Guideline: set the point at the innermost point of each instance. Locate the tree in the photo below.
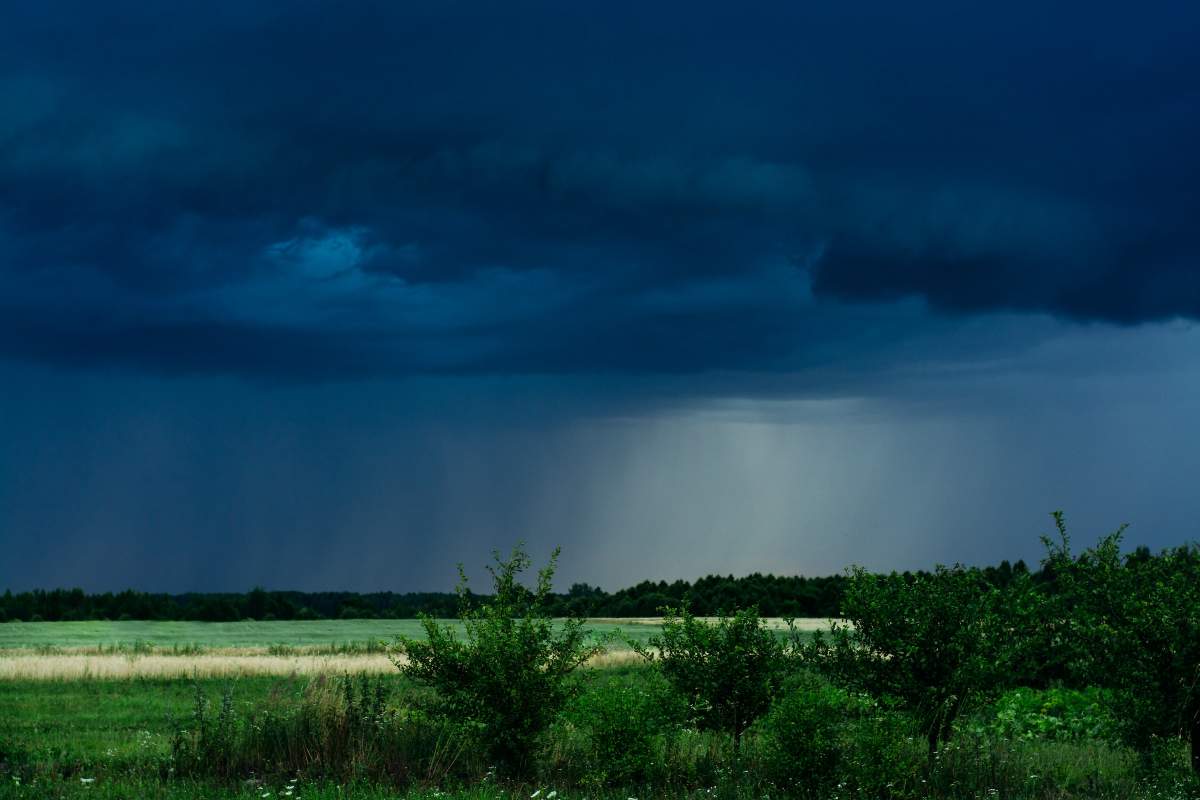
(1159, 678)
(728, 671)
(508, 675)
(933, 641)
(1080, 605)
(1130, 624)
(256, 603)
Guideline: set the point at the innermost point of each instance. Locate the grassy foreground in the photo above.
(113, 739)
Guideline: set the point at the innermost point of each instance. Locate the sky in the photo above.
(315, 297)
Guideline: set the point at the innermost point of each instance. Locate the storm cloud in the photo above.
(305, 191)
(685, 287)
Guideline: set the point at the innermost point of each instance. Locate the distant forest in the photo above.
(775, 596)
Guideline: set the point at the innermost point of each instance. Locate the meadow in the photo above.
(114, 739)
(1076, 684)
(151, 649)
(332, 636)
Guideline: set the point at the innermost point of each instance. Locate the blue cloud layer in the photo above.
(301, 190)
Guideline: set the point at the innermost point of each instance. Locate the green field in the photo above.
(211, 635)
(118, 739)
(110, 722)
(111, 739)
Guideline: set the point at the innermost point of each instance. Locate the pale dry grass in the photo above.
(168, 651)
(230, 663)
(801, 624)
(82, 667)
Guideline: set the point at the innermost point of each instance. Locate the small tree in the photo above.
(728, 671)
(933, 641)
(1079, 609)
(1160, 678)
(1131, 624)
(508, 675)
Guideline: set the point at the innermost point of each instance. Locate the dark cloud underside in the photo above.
(306, 190)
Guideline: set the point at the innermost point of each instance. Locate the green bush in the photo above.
(727, 671)
(509, 677)
(1061, 714)
(882, 755)
(800, 746)
(623, 723)
(936, 642)
(1130, 623)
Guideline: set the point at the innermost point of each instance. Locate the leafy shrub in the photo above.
(801, 748)
(624, 722)
(1131, 624)
(1062, 714)
(881, 756)
(934, 641)
(509, 676)
(727, 671)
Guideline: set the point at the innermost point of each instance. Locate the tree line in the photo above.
(772, 595)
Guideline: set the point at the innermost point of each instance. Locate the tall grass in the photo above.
(626, 733)
(343, 729)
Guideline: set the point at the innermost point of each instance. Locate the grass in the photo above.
(111, 739)
(124, 788)
(213, 664)
(106, 738)
(147, 649)
(98, 720)
(322, 635)
(147, 635)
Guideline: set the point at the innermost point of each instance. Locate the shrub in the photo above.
(935, 641)
(727, 671)
(623, 722)
(1061, 714)
(1131, 624)
(801, 750)
(509, 676)
(882, 756)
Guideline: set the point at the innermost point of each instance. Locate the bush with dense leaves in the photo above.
(728, 671)
(508, 675)
(624, 721)
(1061, 713)
(935, 642)
(1131, 624)
(801, 746)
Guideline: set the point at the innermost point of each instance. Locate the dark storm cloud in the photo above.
(304, 190)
